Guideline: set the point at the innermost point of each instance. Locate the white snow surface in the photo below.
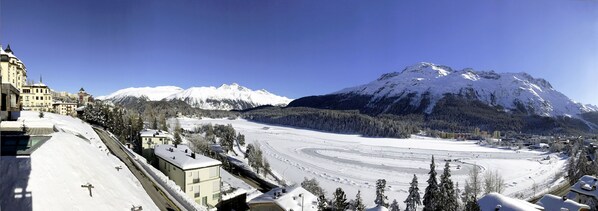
(504, 89)
(51, 178)
(212, 98)
(152, 93)
(353, 162)
(492, 200)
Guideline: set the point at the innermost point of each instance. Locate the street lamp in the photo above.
(533, 186)
(301, 195)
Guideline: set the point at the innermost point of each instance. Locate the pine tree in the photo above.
(472, 204)
(241, 139)
(322, 203)
(154, 122)
(340, 200)
(394, 206)
(163, 125)
(447, 192)
(359, 206)
(177, 133)
(413, 199)
(431, 195)
(381, 199)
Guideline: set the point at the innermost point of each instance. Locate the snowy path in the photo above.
(354, 163)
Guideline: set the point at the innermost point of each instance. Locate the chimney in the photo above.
(175, 145)
(185, 150)
(173, 157)
(564, 198)
(284, 190)
(193, 155)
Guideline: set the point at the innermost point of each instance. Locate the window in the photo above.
(216, 186)
(216, 196)
(195, 177)
(196, 192)
(214, 172)
(204, 200)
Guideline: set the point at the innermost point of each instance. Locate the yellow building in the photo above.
(151, 138)
(36, 97)
(197, 175)
(64, 108)
(13, 75)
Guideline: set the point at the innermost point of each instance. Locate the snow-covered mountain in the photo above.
(424, 84)
(225, 97)
(149, 93)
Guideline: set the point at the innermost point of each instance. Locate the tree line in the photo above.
(124, 124)
(441, 194)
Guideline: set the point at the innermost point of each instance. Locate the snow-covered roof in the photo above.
(155, 133)
(183, 159)
(555, 203)
(586, 185)
(288, 198)
(493, 200)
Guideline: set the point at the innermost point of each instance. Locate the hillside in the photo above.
(51, 177)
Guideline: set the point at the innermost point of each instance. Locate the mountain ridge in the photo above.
(512, 91)
(225, 97)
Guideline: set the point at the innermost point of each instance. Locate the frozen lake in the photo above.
(353, 162)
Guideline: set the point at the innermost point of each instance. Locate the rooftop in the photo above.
(552, 202)
(586, 185)
(493, 200)
(181, 156)
(288, 198)
(155, 133)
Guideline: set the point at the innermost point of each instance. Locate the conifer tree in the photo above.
(340, 200)
(394, 206)
(413, 199)
(431, 195)
(359, 206)
(381, 198)
(472, 204)
(447, 197)
(322, 203)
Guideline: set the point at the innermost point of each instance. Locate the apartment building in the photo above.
(37, 97)
(197, 175)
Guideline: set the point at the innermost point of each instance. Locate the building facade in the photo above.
(37, 97)
(84, 98)
(151, 138)
(64, 108)
(197, 175)
(13, 75)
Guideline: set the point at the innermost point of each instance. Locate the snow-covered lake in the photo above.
(353, 162)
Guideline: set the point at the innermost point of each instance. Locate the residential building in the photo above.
(84, 98)
(13, 75)
(283, 199)
(584, 191)
(197, 175)
(151, 138)
(37, 97)
(64, 108)
(554, 203)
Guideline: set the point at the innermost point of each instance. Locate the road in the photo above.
(159, 198)
(561, 190)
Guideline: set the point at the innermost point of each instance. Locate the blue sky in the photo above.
(297, 48)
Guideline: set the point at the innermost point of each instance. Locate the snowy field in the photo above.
(354, 163)
(51, 178)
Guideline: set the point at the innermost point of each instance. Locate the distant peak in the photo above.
(427, 67)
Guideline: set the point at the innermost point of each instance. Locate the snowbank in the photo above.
(51, 178)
